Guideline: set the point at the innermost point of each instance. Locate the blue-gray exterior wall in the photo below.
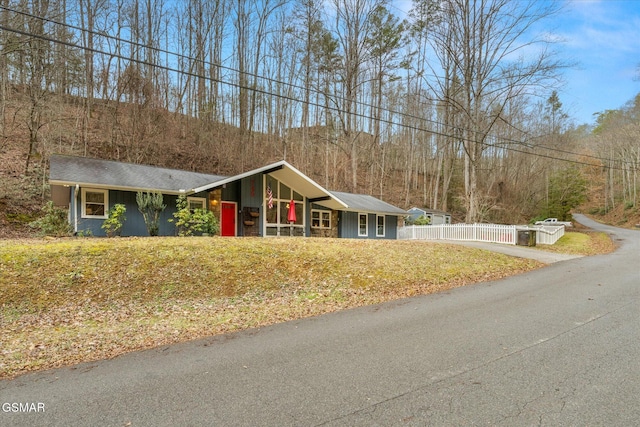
(391, 227)
(348, 226)
(246, 193)
(307, 217)
(251, 197)
(231, 192)
(134, 224)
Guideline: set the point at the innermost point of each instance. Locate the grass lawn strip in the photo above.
(72, 300)
(581, 243)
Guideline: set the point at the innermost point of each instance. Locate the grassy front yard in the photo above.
(581, 243)
(71, 300)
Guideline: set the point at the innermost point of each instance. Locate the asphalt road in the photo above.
(559, 346)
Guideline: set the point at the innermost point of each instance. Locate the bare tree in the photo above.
(383, 42)
(617, 139)
(486, 41)
(353, 25)
(37, 57)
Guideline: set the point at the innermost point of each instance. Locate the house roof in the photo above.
(83, 171)
(293, 178)
(365, 203)
(428, 211)
(72, 170)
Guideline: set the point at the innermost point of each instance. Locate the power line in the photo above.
(294, 86)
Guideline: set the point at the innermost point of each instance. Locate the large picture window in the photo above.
(279, 197)
(95, 203)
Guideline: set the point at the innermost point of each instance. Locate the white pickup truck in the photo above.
(554, 221)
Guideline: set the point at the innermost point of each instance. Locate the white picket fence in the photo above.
(548, 235)
(492, 233)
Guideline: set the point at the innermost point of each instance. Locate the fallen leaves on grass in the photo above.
(69, 301)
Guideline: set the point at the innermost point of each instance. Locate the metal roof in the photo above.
(72, 170)
(365, 203)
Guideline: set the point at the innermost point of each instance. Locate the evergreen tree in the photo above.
(567, 190)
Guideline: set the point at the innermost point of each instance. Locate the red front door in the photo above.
(228, 219)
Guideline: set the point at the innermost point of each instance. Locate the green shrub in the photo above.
(190, 222)
(422, 220)
(567, 190)
(54, 222)
(113, 224)
(150, 206)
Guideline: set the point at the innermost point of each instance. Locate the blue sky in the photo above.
(602, 37)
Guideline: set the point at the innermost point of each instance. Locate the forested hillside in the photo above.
(453, 106)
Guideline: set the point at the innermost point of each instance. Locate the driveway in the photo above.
(517, 251)
(538, 254)
(555, 346)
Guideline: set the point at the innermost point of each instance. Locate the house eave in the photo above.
(119, 187)
(395, 213)
(285, 172)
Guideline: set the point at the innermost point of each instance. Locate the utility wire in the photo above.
(507, 147)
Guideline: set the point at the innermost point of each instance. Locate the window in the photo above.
(320, 219)
(196, 203)
(380, 225)
(95, 203)
(362, 225)
(279, 196)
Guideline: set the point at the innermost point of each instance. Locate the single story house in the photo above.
(260, 202)
(435, 216)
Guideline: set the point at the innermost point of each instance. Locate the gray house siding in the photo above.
(348, 226)
(307, 219)
(231, 192)
(134, 224)
(251, 197)
(391, 227)
(244, 193)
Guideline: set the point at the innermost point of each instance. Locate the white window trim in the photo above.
(366, 225)
(384, 226)
(321, 212)
(83, 203)
(201, 200)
